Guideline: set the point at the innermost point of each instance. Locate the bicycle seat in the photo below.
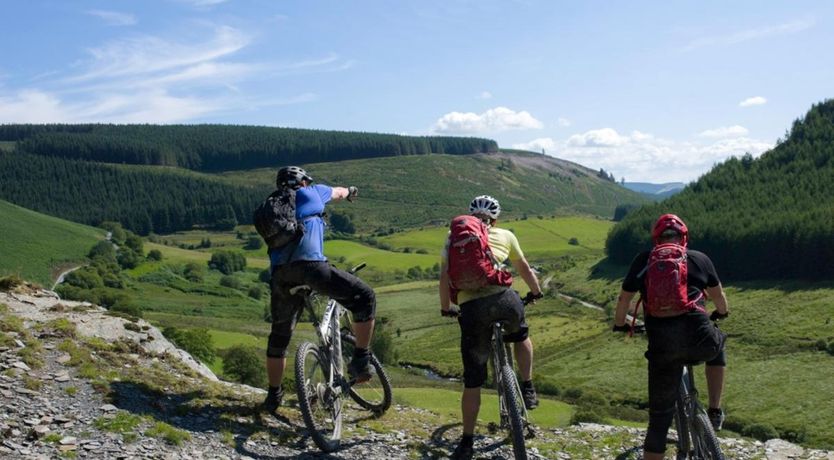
(302, 289)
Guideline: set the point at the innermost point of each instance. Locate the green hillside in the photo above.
(34, 246)
(224, 147)
(765, 218)
(404, 192)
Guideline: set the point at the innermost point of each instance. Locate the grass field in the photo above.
(176, 254)
(539, 238)
(35, 245)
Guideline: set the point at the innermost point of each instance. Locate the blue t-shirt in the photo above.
(309, 206)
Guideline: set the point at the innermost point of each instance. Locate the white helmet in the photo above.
(485, 205)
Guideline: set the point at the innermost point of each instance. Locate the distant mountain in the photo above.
(765, 218)
(655, 191)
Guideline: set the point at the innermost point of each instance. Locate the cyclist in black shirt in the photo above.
(675, 340)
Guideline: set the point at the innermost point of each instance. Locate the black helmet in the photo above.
(291, 176)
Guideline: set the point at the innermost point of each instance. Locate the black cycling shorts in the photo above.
(347, 289)
(476, 320)
(674, 342)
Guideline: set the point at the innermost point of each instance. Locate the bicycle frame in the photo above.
(328, 332)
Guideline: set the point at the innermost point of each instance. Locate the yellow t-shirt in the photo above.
(504, 246)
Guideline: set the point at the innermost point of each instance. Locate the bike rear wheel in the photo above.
(513, 401)
(704, 440)
(375, 394)
(319, 402)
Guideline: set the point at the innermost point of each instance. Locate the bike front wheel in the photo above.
(375, 394)
(319, 401)
(704, 440)
(513, 401)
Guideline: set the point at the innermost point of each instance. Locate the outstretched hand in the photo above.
(352, 192)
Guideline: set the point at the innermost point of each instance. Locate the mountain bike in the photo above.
(696, 437)
(513, 412)
(511, 408)
(321, 382)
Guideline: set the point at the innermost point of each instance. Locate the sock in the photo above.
(468, 440)
(527, 384)
(275, 390)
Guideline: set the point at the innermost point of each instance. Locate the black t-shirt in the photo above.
(701, 274)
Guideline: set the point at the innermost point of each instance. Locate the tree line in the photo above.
(213, 148)
(143, 200)
(765, 218)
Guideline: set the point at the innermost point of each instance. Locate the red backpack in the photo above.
(666, 281)
(471, 264)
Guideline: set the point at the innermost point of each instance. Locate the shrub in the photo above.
(244, 364)
(128, 258)
(230, 282)
(102, 249)
(585, 415)
(227, 262)
(572, 394)
(760, 431)
(84, 278)
(155, 254)
(382, 345)
(194, 272)
(254, 243)
(135, 243)
(256, 292)
(117, 233)
(197, 342)
(573, 241)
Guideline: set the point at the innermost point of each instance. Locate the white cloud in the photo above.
(31, 106)
(485, 95)
(750, 34)
(537, 145)
(563, 122)
(114, 18)
(643, 157)
(751, 101)
(147, 55)
(605, 137)
(154, 80)
(491, 121)
(725, 131)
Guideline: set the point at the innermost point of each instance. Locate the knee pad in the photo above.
(277, 345)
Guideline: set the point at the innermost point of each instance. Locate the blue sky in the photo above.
(651, 91)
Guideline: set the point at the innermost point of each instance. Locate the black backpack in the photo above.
(275, 219)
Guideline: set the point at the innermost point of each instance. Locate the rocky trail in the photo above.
(76, 382)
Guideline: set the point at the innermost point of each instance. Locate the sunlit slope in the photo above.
(403, 192)
(539, 238)
(34, 245)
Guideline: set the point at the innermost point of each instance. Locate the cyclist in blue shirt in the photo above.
(304, 262)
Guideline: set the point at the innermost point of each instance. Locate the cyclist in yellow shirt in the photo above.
(479, 310)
